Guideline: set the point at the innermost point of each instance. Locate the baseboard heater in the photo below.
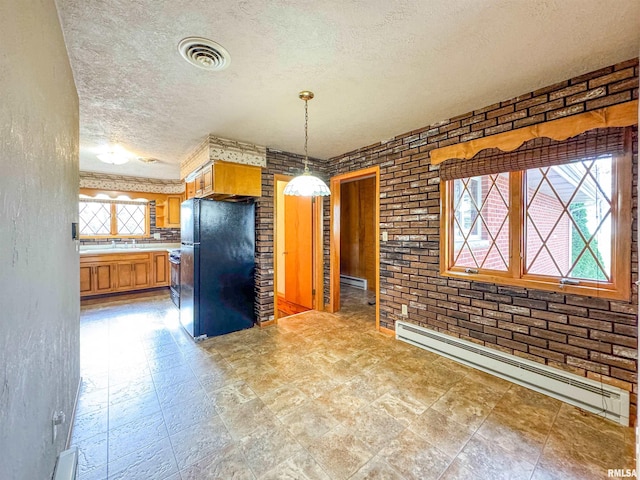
(67, 465)
(356, 282)
(604, 400)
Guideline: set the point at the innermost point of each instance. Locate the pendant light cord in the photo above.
(306, 135)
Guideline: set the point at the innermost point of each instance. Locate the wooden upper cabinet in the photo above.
(173, 210)
(190, 190)
(237, 179)
(207, 181)
(198, 184)
(225, 179)
(168, 212)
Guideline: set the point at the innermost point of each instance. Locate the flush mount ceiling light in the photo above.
(306, 185)
(204, 53)
(115, 156)
(148, 160)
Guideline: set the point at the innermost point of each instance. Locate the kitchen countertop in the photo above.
(128, 248)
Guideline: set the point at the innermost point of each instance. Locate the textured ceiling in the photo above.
(378, 68)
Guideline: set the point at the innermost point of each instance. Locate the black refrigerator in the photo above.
(217, 264)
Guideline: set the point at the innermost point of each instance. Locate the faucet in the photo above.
(133, 243)
(113, 244)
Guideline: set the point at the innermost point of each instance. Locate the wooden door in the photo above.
(298, 250)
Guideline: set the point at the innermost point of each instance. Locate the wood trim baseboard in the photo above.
(267, 323)
(387, 331)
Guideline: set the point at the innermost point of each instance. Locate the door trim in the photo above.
(334, 239)
(318, 267)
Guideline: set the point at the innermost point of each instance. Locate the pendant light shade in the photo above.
(306, 185)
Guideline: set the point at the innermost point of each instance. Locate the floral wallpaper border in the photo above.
(223, 149)
(102, 181)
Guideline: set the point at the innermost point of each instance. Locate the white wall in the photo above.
(39, 284)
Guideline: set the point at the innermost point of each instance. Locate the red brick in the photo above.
(614, 338)
(612, 360)
(565, 112)
(545, 107)
(569, 349)
(572, 90)
(611, 78)
(549, 335)
(588, 95)
(609, 100)
(540, 352)
(500, 111)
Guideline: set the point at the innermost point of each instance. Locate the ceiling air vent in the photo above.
(204, 53)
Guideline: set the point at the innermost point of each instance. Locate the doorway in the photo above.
(297, 252)
(354, 236)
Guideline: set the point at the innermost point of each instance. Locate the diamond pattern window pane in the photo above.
(481, 222)
(95, 218)
(131, 219)
(568, 220)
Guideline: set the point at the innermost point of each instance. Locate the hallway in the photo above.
(319, 396)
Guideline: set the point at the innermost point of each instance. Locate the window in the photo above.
(563, 225)
(113, 218)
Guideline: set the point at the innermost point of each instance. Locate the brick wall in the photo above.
(591, 337)
(277, 163)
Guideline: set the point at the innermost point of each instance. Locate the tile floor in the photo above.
(320, 396)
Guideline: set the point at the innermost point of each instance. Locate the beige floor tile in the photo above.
(230, 395)
(374, 427)
(268, 446)
(309, 422)
(441, 431)
(377, 469)
(243, 419)
(228, 463)
(463, 410)
(300, 466)
(485, 460)
(199, 441)
(401, 405)
(414, 457)
(284, 400)
(340, 453)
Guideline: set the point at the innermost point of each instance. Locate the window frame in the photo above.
(113, 228)
(621, 211)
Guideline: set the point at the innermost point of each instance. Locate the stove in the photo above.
(174, 260)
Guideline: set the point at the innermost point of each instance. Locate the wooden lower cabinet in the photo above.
(122, 272)
(161, 269)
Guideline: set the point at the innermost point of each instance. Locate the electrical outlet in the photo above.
(385, 236)
(405, 311)
(156, 236)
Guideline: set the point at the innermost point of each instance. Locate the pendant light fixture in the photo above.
(306, 185)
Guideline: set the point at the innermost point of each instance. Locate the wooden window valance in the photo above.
(539, 153)
(621, 115)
